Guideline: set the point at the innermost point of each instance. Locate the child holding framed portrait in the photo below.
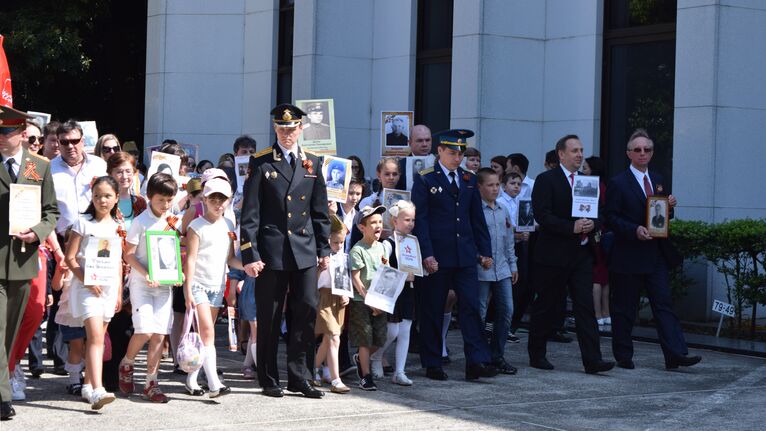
(151, 297)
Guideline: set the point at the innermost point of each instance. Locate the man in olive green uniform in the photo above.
(18, 254)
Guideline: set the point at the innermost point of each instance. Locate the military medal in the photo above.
(308, 165)
(466, 177)
(433, 190)
(440, 189)
(659, 188)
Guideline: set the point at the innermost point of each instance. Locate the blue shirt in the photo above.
(501, 237)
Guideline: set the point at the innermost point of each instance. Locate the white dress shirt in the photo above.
(447, 171)
(16, 162)
(527, 184)
(640, 178)
(72, 185)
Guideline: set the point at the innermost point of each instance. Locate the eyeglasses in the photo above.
(68, 142)
(8, 130)
(642, 150)
(115, 149)
(34, 139)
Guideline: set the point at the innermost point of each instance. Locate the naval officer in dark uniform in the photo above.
(284, 237)
(453, 237)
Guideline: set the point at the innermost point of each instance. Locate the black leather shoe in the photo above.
(474, 371)
(306, 389)
(683, 361)
(540, 364)
(560, 337)
(628, 365)
(436, 373)
(274, 391)
(6, 411)
(37, 372)
(598, 367)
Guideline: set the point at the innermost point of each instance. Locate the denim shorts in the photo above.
(69, 333)
(215, 299)
(246, 301)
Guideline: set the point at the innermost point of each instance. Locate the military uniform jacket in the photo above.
(284, 219)
(451, 229)
(16, 265)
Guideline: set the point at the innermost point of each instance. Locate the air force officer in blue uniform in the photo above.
(453, 236)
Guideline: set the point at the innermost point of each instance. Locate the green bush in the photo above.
(737, 248)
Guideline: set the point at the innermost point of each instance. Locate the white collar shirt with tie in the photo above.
(291, 153)
(568, 175)
(640, 178)
(16, 162)
(447, 173)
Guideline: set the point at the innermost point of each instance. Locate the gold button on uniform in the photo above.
(458, 235)
(303, 213)
(457, 204)
(458, 219)
(289, 232)
(289, 198)
(290, 215)
(303, 198)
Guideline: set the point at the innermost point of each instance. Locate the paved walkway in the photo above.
(725, 391)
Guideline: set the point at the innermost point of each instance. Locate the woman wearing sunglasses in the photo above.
(106, 146)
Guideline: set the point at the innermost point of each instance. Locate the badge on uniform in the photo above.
(433, 190)
(440, 189)
(30, 173)
(271, 175)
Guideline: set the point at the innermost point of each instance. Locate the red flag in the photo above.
(6, 98)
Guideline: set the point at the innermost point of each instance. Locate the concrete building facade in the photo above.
(521, 74)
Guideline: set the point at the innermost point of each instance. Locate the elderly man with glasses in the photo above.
(73, 171)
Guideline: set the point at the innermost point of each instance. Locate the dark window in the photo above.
(433, 77)
(285, 51)
(639, 81)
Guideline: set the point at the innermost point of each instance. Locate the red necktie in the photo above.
(571, 179)
(647, 187)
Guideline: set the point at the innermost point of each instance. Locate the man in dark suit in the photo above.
(18, 253)
(284, 236)
(563, 257)
(637, 261)
(453, 236)
(420, 145)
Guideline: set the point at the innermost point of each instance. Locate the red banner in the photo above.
(6, 98)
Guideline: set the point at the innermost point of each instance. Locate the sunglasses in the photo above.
(68, 142)
(8, 130)
(33, 140)
(642, 150)
(115, 149)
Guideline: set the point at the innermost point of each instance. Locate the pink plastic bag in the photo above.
(190, 354)
(107, 347)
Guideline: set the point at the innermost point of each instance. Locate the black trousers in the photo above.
(302, 300)
(523, 291)
(625, 292)
(552, 283)
(120, 329)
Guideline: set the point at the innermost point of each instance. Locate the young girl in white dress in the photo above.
(95, 305)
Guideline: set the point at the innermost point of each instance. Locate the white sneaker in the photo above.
(401, 379)
(608, 321)
(86, 392)
(376, 368)
(100, 398)
(600, 322)
(17, 390)
(21, 379)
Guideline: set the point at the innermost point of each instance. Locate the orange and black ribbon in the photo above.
(232, 236)
(172, 220)
(30, 172)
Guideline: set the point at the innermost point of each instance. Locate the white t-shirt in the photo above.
(146, 221)
(73, 191)
(213, 252)
(82, 300)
